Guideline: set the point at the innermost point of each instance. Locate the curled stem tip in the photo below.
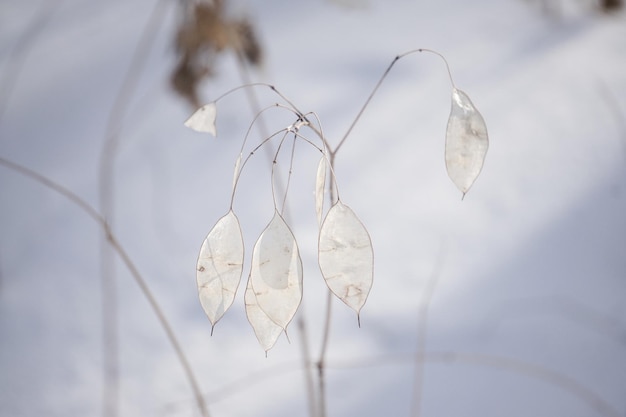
(378, 84)
(440, 56)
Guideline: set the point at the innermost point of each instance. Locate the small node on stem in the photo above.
(444, 60)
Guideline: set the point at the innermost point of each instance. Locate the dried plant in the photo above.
(557, 7)
(205, 32)
(610, 5)
(345, 251)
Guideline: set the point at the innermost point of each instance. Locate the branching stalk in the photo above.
(306, 355)
(377, 86)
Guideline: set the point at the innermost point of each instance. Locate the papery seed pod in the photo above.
(346, 256)
(265, 330)
(276, 272)
(219, 267)
(466, 142)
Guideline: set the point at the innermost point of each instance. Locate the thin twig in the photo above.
(163, 320)
(82, 204)
(117, 247)
(239, 385)
(367, 102)
(502, 363)
(515, 366)
(321, 362)
(422, 333)
(308, 371)
(577, 312)
(378, 84)
(110, 397)
(614, 106)
(19, 52)
(263, 130)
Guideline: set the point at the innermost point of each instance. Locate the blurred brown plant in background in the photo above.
(204, 32)
(556, 8)
(610, 5)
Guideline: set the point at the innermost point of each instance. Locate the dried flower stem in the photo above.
(117, 248)
(422, 333)
(106, 190)
(306, 356)
(377, 86)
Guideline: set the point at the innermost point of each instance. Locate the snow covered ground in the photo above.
(528, 313)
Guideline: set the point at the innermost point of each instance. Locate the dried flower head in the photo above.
(203, 34)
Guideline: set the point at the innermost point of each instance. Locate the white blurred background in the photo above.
(527, 316)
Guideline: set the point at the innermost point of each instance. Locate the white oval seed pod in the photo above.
(276, 272)
(219, 267)
(466, 142)
(346, 256)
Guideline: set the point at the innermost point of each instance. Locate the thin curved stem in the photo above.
(267, 139)
(515, 366)
(367, 102)
(106, 190)
(518, 367)
(308, 374)
(59, 189)
(291, 159)
(258, 118)
(117, 247)
(422, 333)
(21, 49)
(321, 362)
(274, 162)
(377, 86)
(162, 319)
(253, 100)
(245, 161)
(445, 61)
(306, 356)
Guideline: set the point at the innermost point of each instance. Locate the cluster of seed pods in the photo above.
(273, 289)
